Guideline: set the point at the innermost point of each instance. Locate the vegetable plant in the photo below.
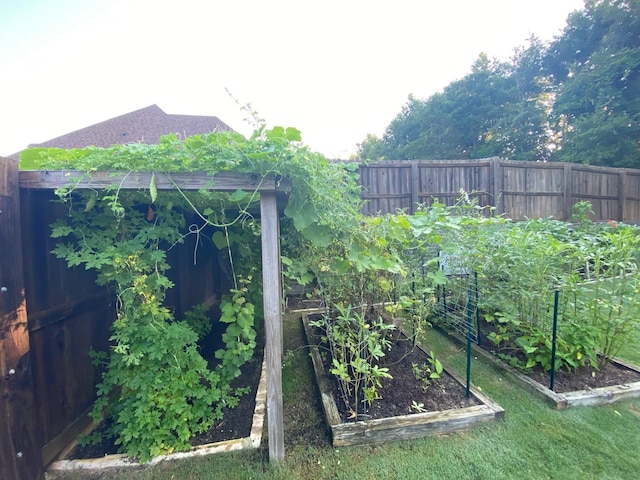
(520, 265)
(428, 371)
(356, 345)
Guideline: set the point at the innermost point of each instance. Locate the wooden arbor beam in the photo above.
(20, 442)
(220, 182)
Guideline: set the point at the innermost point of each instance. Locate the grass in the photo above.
(533, 442)
(631, 350)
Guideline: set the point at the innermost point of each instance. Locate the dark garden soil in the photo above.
(582, 378)
(586, 378)
(236, 422)
(403, 390)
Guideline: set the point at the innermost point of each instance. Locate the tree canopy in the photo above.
(575, 98)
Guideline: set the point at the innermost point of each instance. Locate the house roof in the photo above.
(146, 125)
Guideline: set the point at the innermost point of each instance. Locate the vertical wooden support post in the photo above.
(496, 184)
(20, 448)
(415, 186)
(273, 322)
(622, 195)
(568, 193)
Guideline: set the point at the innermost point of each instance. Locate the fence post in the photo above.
(496, 184)
(272, 297)
(469, 326)
(415, 186)
(568, 193)
(554, 339)
(20, 448)
(622, 195)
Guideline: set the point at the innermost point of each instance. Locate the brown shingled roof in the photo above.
(146, 125)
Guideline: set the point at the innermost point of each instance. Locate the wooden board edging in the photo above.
(401, 427)
(328, 404)
(123, 461)
(63, 443)
(412, 426)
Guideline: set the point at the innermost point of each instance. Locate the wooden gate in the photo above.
(20, 452)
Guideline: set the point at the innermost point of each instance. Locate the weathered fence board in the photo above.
(69, 315)
(518, 190)
(20, 443)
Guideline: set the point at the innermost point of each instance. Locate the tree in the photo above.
(574, 99)
(595, 66)
(494, 110)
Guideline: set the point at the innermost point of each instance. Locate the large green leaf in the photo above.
(302, 216)
(318, 234)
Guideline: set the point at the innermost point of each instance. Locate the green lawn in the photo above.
(533, 442)
(631, 350)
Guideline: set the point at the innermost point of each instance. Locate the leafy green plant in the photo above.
(156, 387)
(521, 264)
(240, 335)
(428, 371)
(581, 214)
(605, 299)
(418, 407)
(198, 319)
(356, 345)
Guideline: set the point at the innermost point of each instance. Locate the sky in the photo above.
(335, 69)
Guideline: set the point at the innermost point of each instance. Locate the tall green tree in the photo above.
(493, 111)
(574, 99)
(595, 66)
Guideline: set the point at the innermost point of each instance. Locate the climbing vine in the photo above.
(157, 391)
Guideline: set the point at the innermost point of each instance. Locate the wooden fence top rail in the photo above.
(221, 182)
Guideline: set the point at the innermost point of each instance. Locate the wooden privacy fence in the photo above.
(516, 189)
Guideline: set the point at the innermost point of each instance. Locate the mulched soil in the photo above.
(586, 378)
(399, 393)
(583, 378)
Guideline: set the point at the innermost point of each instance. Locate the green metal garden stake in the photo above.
(469, 316)
(554, 338)
(476, 298)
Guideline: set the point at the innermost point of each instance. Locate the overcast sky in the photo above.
(336, 70)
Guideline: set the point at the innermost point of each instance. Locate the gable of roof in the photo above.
(146, 125)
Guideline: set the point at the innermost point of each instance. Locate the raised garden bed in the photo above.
(591, 396)
(460, 413)
(251, 441)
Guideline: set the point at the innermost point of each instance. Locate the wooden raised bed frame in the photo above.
(401, 427)
(560, 401)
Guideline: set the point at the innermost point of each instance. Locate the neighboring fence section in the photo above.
(516, 189)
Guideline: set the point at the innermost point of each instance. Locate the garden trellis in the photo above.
(21, 438)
